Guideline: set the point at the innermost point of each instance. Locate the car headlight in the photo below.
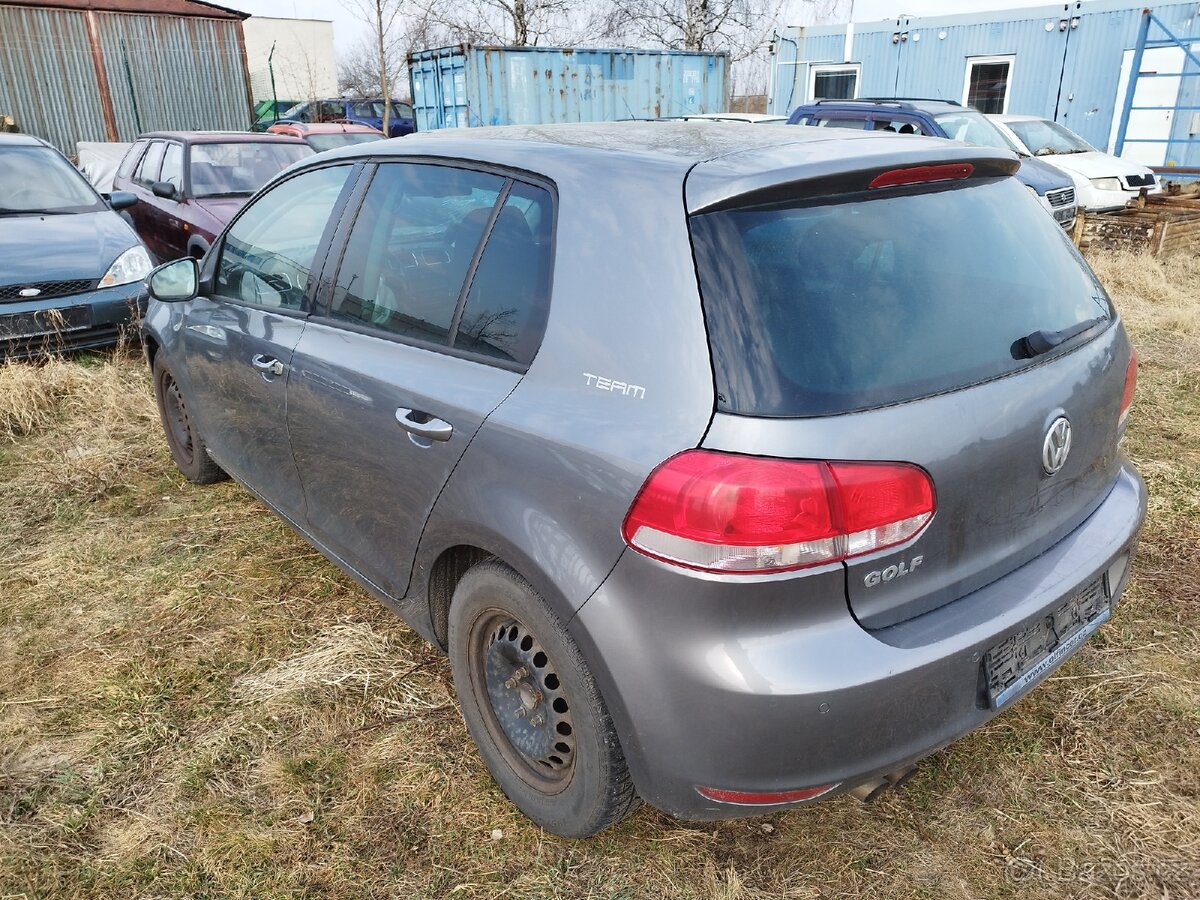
(132, 265)
(1107, 184)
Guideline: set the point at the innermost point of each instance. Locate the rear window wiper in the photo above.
(1043, 341)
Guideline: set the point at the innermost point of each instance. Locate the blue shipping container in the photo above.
(457, 87)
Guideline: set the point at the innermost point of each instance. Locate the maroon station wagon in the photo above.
(189, 184)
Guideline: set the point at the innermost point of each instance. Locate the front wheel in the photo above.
(533, 708)
(183, 439)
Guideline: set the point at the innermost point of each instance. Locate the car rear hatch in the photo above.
(919, 309)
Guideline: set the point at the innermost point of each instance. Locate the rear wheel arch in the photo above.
(447, 571)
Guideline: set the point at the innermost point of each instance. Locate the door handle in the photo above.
(424, 425)
(268, 365)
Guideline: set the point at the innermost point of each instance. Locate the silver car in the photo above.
(733, 468)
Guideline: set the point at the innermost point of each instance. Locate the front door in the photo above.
(239, 339)
(423, 336)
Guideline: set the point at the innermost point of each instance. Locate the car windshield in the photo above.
(323, 142)
(240, 167)
(972, 128)
(37, 180)
(1046, 138)
(826, 307)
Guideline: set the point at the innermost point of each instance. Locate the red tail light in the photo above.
(722, 512)
(1130, 385)
(922, 174)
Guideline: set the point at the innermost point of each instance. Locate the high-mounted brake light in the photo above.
(1130, 386)
(922, 174)
(723, 512)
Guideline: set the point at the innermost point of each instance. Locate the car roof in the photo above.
(903, 104)
(219, 137)
(725, 162)
(327, 128)
(15, 139)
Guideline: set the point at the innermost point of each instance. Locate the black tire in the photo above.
(579, 783)
(183, 439)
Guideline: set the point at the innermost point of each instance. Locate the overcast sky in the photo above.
(347, 29)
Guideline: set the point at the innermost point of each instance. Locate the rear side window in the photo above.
(821, 308)
(825, 122)
(506, 307)
(131, 159)
(410, 248)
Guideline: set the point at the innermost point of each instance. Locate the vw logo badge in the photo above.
(28, 292)
(1056, 446)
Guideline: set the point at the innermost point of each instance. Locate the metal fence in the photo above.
(75, 75)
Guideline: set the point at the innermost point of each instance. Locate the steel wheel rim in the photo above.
(524, 706)
(178, 422)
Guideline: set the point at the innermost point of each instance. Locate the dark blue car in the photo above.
(945, 119)
(365, 112)
(71, 268)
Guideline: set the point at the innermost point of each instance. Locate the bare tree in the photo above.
(380, 16)
(522, 23)
(739, 27)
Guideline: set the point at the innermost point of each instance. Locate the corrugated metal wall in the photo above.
(48, 77)
(457, 87)
(158, 72)
(166, 73)
(1067, 61)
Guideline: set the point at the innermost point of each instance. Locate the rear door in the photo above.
(239, 339)
(877, 328)
(426, 331)
(147, 219)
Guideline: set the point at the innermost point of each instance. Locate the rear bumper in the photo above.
(770, 685)
(109, 312)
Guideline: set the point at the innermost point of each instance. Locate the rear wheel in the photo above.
(183, 439)
(533, 708)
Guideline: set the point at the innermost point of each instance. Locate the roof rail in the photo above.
(875, 101)
(914, 99)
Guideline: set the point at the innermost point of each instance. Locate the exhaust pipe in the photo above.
(901, 776)
(870, 790)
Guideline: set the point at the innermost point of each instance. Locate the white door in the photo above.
(1149, 124)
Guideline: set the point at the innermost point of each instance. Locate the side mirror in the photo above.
(175, 282)
(121, 199)
(164, 189)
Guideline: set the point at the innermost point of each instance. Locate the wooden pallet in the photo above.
(1158, 224)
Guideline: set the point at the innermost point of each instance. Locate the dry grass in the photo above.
(194, 703)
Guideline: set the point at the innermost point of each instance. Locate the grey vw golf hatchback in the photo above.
(733, 468)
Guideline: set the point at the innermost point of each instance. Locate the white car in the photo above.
(1102, 181)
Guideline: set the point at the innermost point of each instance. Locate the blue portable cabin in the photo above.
(1066, 62)
(466, 85)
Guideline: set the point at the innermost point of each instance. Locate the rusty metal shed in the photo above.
(107, 70)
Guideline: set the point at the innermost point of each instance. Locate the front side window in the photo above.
(505, 312)
(35, 179)
(267, 255)
(172, 166)
(411, 247)
(834, 82)
(147, 172)
(240, 167)
(988, 81)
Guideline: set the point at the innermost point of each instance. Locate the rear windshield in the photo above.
(828, 307)
(333, 140)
